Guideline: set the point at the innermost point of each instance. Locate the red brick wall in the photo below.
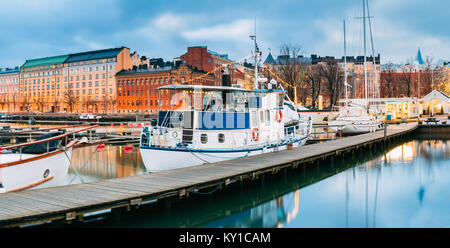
(138, 92)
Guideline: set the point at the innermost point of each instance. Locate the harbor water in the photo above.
(403, 185)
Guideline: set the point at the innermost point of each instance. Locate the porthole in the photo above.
(221, 138)
(46, 173)
(204, 138)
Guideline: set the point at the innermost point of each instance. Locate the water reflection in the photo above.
(91, 163)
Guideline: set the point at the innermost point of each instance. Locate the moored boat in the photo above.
(40, 163)
(210, 124)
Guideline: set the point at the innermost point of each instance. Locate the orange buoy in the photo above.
(255, 134)
(279, 116)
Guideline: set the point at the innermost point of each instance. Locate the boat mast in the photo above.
(375, 88)
(253, 37)
(365, 66)
(345, 69)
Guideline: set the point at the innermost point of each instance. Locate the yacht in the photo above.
(354, 119)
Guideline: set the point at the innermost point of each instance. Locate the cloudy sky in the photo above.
(163, 28)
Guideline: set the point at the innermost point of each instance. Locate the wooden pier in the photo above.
(74, 202)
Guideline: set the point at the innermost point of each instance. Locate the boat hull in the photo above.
(158, 159)
(39, 171)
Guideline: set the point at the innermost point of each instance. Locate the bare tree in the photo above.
(407, 77)
(291, 68)
(387, 80)
(314, 77)
(25, 102)
(70, 99)
(440, 79)
(333, 79)
(104, 103)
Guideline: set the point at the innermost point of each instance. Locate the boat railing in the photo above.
(61, 136)
(12, 133)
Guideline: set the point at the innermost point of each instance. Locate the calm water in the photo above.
(406, 185)
(92, 164)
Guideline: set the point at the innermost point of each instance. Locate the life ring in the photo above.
(279, 116)
(255, 134)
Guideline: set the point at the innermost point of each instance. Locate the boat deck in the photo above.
(72, 202)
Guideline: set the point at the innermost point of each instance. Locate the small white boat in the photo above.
(41, 163)
(354, 120)
(89, 117)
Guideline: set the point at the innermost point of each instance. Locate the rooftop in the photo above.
(45, 61)
(156, 70)
(92, 55)
(9, 70)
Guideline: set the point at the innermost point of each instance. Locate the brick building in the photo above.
(137, 89)
(200, 58)
(404, 84)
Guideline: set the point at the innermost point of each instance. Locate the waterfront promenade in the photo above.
(73, 202)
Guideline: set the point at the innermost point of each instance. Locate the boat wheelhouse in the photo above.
(208, 124)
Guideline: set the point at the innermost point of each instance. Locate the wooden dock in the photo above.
(73, 202)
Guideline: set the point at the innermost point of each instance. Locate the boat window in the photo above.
(261, 116)
(280, 99)
(254, 119)
(204, 138)
(267, 121)
(221, 138)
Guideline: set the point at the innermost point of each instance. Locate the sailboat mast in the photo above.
(375, 88)
(365, 66)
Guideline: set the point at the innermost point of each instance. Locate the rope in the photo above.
(84, 164)
(275, 75)
(205, 193)
(194, 154)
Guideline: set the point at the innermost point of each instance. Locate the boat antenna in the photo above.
(256, 53)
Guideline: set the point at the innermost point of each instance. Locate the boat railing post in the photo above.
(20, 153)
(48, 146)
(385, 131)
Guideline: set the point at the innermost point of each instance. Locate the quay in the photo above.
(75, 202)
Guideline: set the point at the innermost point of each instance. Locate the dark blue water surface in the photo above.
(403, 185)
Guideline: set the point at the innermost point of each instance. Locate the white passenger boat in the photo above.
(40, 163)
(211, 124)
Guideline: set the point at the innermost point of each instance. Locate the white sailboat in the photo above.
(354, 119)
(40, 163)
(215, 123)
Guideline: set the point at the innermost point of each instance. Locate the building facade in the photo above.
(90, 79)
(9, 89)
(137, 89)
(224, 69)
(80, 82)
(41, 84)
